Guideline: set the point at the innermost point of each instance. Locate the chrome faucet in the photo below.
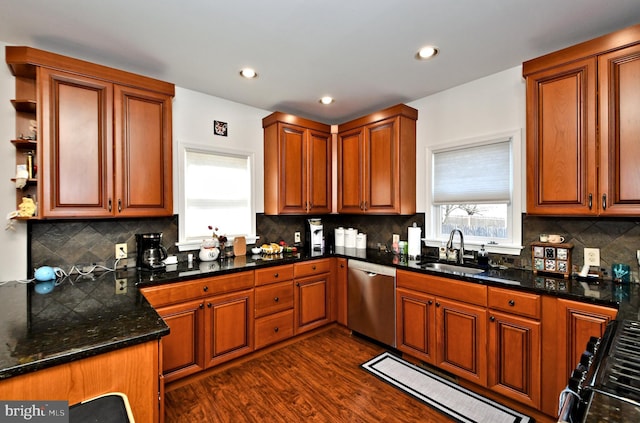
(460, 255)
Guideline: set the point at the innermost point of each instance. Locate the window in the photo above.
(217, 190)
(475, 187)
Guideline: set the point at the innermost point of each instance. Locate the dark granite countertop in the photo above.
(81, 317)
(84, 316)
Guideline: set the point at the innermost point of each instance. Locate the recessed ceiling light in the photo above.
(326, 100)
(248, 73)
(426, 52)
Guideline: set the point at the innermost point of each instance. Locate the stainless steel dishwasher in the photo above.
(371, 298)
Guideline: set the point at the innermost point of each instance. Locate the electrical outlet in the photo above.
(592, 256)
(296, 237)
(121, 251)
(121, 286)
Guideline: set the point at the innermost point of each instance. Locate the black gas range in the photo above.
(605, 386)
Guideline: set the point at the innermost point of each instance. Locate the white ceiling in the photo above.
(359, 51)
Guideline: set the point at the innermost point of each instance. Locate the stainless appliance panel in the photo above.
(371, 301)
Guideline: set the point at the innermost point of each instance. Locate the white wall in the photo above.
(489, 105)
(13, 243)
(193, 116)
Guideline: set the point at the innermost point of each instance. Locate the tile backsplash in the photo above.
(84, 242)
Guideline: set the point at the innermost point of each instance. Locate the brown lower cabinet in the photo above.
(210, 321)
(312, 287)
(497, 338)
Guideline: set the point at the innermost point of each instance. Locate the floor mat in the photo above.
(455, 401)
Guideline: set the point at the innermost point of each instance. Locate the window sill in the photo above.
(510, 249)
(195, 245)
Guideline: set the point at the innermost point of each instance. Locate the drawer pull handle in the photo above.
(275, 275)
(512, 303)
(276, 329)
(313, 267)
(276, 299)
(205, 289)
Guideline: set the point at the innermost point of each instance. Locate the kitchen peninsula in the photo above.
(85, 320)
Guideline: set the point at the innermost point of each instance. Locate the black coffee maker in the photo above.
(150, 252)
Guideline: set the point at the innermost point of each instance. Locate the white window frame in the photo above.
(188, 245)
(512, 245)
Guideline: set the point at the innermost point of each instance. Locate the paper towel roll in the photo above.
(415, 233)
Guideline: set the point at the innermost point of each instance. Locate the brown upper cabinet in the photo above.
(377, 163)
(582, 128)
(297, 165)
(104, 145)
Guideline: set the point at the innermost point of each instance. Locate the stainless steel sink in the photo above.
(452, 268)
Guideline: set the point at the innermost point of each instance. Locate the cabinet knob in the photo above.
(342, 265)
(201, 305)
(297, 283)
(492, 318)
(109, 205)
(275, 275)
(209, 305)
(119, 205)
(590, 201)
(437, 304)
(512, 303)
(276, 329)
(430, 302)
(604, 201)
(276, 299)
(313, 267)
(205, 289)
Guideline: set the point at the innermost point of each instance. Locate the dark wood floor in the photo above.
(316, 379)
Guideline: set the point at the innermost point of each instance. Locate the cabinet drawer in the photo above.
(467, 292)
(274, 274)
(513, 302)
(274, 328)
(313, 267)
(273, 298)
(183, 291)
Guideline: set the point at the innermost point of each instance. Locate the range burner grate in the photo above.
(620, 373)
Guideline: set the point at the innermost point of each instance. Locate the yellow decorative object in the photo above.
(27, 208)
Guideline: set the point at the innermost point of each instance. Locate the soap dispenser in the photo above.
(483, 256)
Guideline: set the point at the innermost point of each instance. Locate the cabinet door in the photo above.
(182, 349)
(341, 291)
(514, 357)
(319, 172)
(577, 322)
(381, 167)
(228, 327)
(77, 159)
(311, 302)
(462, 340)
(292, 169)
(561, 140)
(143, 153)
(619, 87)
(350, 171)
(415, 324)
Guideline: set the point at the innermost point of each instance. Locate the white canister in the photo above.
(339, 237)
(350, 238)
(361, 241)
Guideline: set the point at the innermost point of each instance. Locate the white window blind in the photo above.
(473, 175)
(218, 192)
